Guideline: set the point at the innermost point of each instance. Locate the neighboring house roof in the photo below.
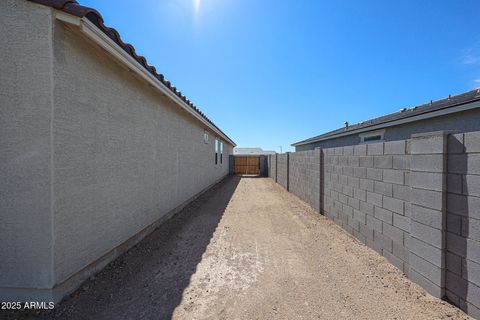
(251, 151)
(74, 8)
(392, 119)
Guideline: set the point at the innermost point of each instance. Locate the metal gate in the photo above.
(247, 165)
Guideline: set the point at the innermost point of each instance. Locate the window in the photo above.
(221, 152)
(216, 150)
(205, 136)
(372, 136)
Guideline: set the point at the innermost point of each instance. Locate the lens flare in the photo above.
(197, 7)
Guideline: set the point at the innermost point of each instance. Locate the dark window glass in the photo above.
(373, 138)
(221, 152)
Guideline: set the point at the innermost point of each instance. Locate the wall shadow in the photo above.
(148, 281)
(457, 219)
(321, 204)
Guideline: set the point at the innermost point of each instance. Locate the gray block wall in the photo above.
(282, 169)
(366, 190)
(273, 167)
(263, 166)
(428, 205)
(304, 176)
(414, 201)
(91, 156)
(463, 222)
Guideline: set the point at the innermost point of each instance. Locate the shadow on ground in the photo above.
(148, 281)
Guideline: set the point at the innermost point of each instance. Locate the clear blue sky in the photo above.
(271, 72)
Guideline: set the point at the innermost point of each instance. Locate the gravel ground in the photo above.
(247, 249)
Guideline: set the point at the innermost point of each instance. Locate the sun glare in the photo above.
(197, 7)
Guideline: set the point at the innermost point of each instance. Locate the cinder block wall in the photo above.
(366, 191)
(269, 165)
(273, 167)
(463, 222)
(282, 169)
(304, 179)
(427, 219)
(415, 201)
(264, 166)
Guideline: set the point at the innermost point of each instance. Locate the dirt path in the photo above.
(250, 250)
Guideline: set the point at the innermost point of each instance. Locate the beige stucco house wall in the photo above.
(92, 156)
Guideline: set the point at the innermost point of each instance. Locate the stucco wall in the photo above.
(91, 156)
(466, 121)
(25, 157)
(123, 154)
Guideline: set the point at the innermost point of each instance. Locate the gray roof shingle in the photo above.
(449, 102)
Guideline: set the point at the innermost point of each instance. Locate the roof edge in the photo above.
(72, 7)
(389, 123)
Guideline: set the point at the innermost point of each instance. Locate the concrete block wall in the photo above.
(263, 166)
(462, 258)
(414, 201)
(366, 191)
(269, 165)
(304, 176)
(428, 203)
(272, 173)
(282, 169)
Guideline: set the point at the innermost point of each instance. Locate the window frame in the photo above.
(221, 152)
(205, 136)
(372, 134)
(216, 150)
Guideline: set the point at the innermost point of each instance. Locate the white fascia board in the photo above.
(432, 114)
(67, 18)
(100, 38)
